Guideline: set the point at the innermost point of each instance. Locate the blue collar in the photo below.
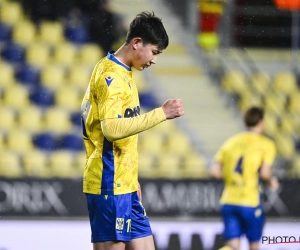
(110, 56)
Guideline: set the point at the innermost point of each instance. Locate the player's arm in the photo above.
(216, 170)
(119, 128)
(266, 175)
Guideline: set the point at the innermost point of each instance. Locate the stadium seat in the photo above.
(80, 162)
(195, 167)
(10, 165)
(76, 119)
(24, 33)
(19, 141)
(288, 125)
(146, 165)
(270, 124)
(28, 75)
(13, 53)
(45, 141)
(65, 54)
(79, 77)
(260, 81)
(295, 173)
(8, 118)
(285, 146)
(285, 82)
(61, 164)
(51, 33)
(52, 76)
(71, 142)
(7, 78)
(38, 55)
(11, 12)
(90, 54)
(234, 82)
(5, 32)
(77, 34)
(31, 119)
(68, 98)
(248, 99)
(152, 142)
(274, 103)
(178, 143)
(42, 97)
(294, 103)
(169, 166)
(16, 96)
(2, 142)
(57, 120)
(35, 164)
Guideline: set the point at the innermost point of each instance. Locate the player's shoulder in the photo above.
(266, 140)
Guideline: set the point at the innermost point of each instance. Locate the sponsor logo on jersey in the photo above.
(132, 112)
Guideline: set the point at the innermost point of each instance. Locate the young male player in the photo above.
(241, 162)
(111, 121)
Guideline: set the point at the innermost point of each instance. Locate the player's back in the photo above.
(241, 157)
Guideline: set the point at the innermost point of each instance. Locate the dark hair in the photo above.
(253, 116)
(150, 28)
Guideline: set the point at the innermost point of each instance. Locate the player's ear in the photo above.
(136, 43)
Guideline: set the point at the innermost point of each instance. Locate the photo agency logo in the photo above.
(270, 240)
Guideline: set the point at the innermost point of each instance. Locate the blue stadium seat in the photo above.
(77, 35)
(45, 141)
(5, 32)
(42, 97)
(28, 75)
(147, 100)
(70, 142)
(76, 119)
(13, 53)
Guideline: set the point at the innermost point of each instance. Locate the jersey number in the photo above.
(238, 168)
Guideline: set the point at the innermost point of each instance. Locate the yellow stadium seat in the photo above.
(68, 98)
(90, 54)
(38, 54)
(234, 82)
(35, 164)
(2, 142)
(178, 143)
(248, 99)
(10, 165)
(152, 142)
(285, 146)
(146, 165)
(61, 164)
(288, 124)
(8, 118)
(31, 119)
(79, 77)
(53, 76)
(7, 78)
(296, 167)
(19, 141)
(24, 33)
(11, 12)
(270, 124)
(195, 167)
(285, 82)
(51, 33)
(294, 103)
(57, 120)
(80, 162)
(169, 166)
(64, 54)
(16, 96)
(275, 103)
(260, 81)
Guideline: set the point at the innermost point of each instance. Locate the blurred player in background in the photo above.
(111, 121)
(241, 162)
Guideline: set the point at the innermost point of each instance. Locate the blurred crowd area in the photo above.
(48, 51)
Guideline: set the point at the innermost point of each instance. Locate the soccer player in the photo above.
(241, 162)
(111, 121)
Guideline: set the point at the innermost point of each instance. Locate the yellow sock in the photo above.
(225, 248)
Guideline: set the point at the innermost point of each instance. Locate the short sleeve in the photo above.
(109, 92)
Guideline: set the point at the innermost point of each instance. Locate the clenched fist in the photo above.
(173, 108)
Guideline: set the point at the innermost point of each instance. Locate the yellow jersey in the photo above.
(241, 157)
(111, 167)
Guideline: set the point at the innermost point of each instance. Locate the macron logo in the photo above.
(109, 80)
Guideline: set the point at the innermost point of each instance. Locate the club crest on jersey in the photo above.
(132, 112)
(120, 224)
(108, 80)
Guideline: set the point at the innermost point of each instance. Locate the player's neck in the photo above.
(122, 55)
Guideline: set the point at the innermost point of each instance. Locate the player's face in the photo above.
(145, 55)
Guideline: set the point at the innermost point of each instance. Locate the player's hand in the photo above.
(139, 192)
(274, 183)
(173, 108)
